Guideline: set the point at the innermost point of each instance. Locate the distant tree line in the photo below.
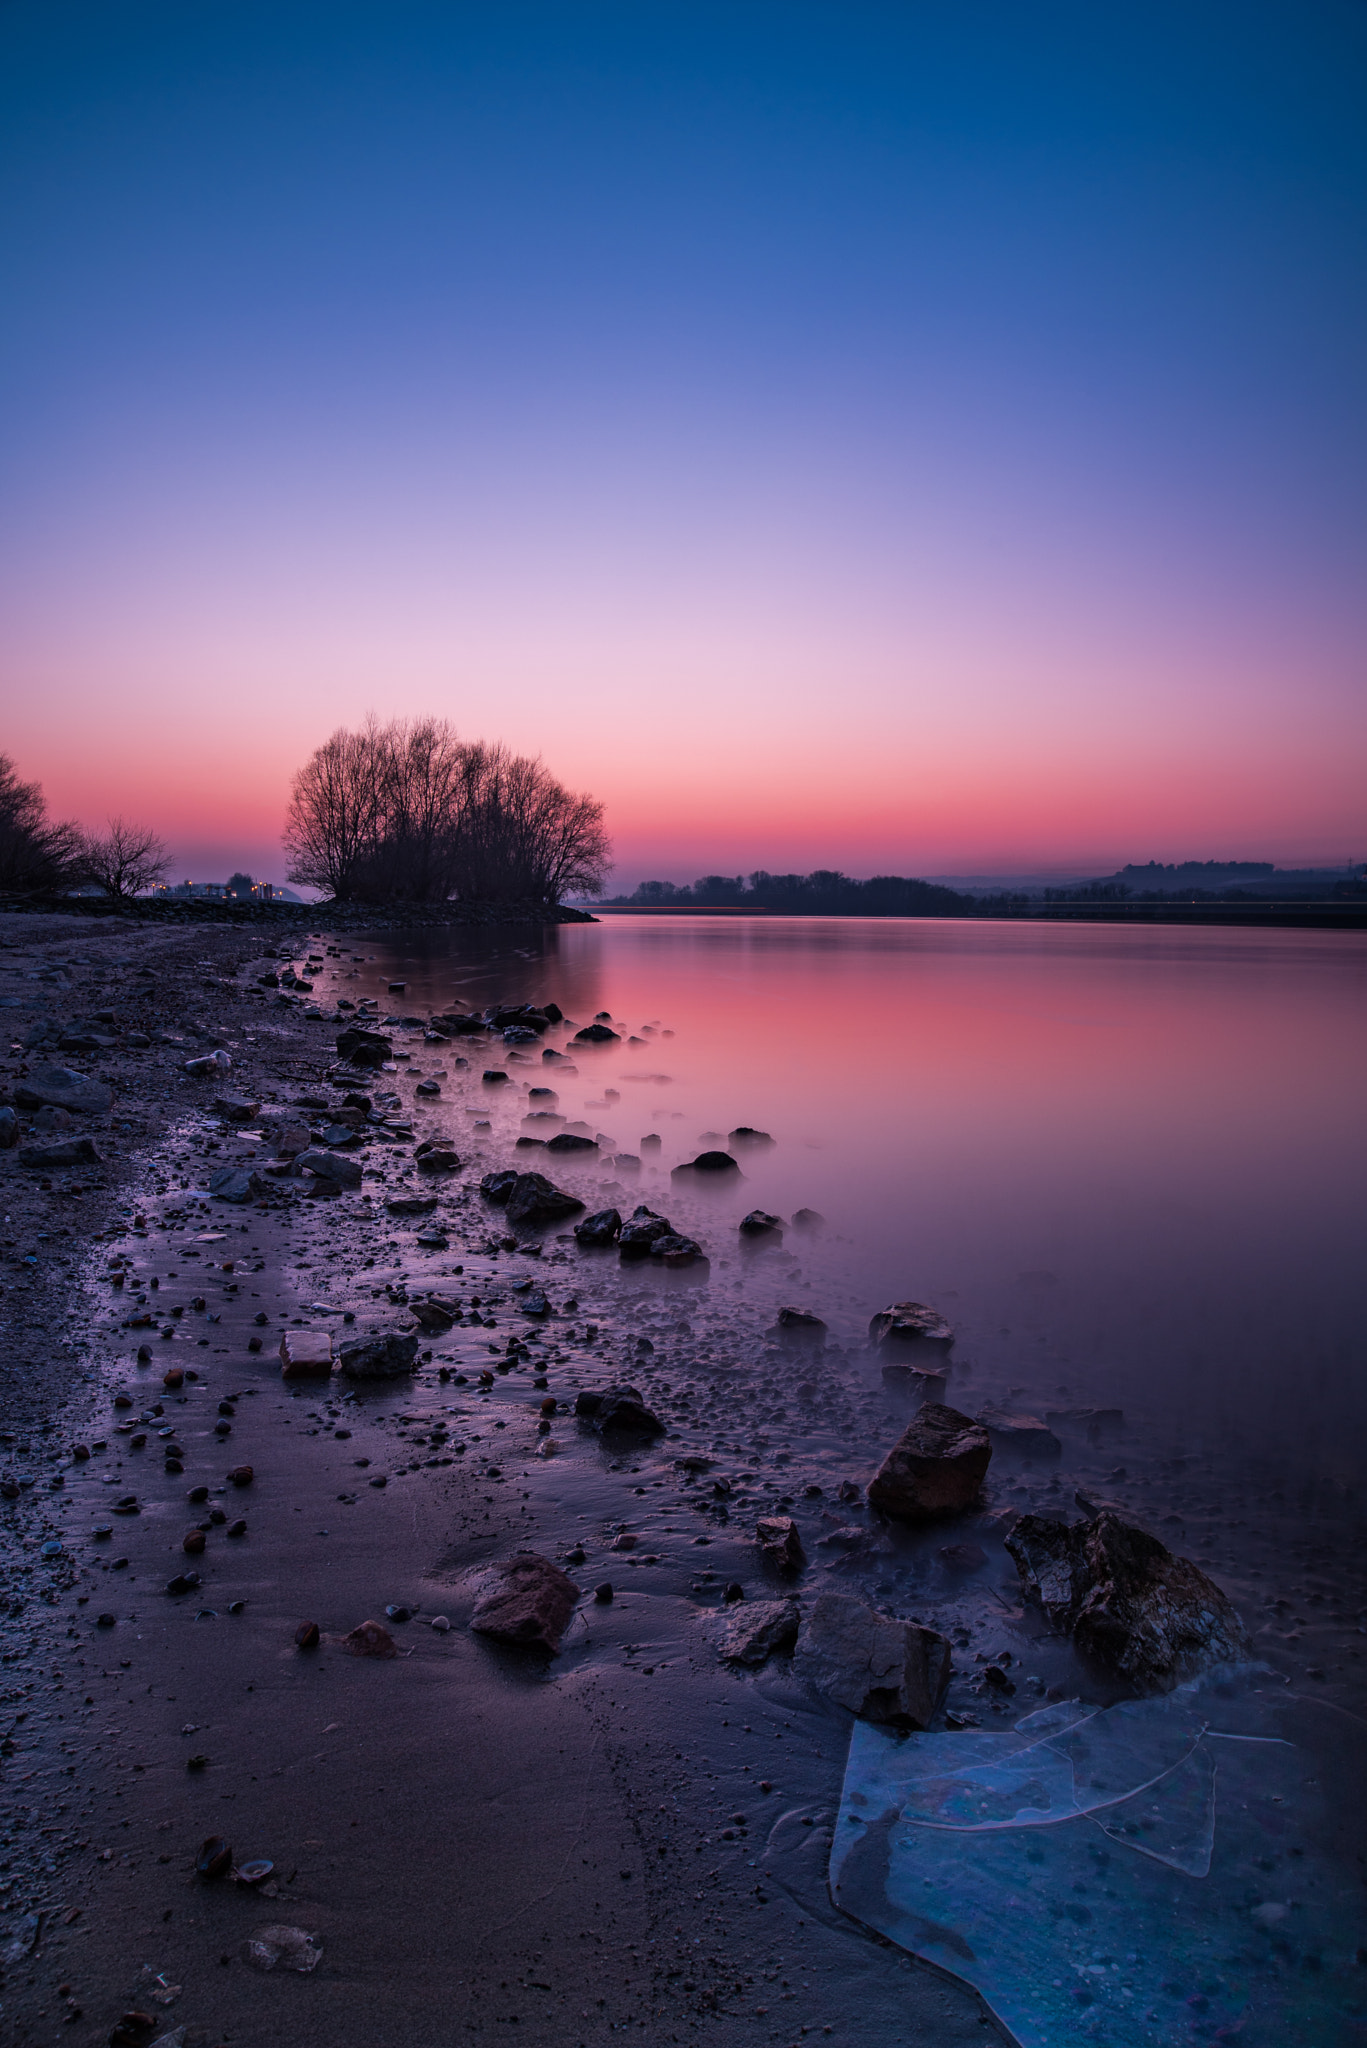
(38, 855)
(409, 813)
(824, 893)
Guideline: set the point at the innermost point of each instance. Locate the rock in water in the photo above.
(599, 1229)
(496, 1187)
(435, 1315)
(707, 1162)
(64, 1090)
(935, 1468)
(780, 1542)
(915, 1381)
(527, 1601)
(365, 1048)
(759, 1223)
(640, 1232)
(799, 1322)
(758, 1628)
(1020, 1433)
(1126, 1599)
(379, 1358)
(331, 1166)
(618, 1408)
(596, 1034)
(910, 1322)
(533, 1199)
(882, 1670)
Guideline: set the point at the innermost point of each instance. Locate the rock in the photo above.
(708, 1162)
(281, 1948)
(618, 1408)
(759, 1223)
(370, 1639)
(808, 1219)
(306, 1354)
(292, 1139)
(496, 1187)
(640, 1231)
(1125, 1599)
(9, 1128)
(86, 1041)
(570, 1141)
(50, 1118)
(935, 1468)
(1020, 1433)
(883, 1670)
(779, 1542)
(435, 1315)
(65, 1090)
(532, 1302)
(332, 1166)
(910, 1322)
(797, 1320)
(61, 1152)
(598, 1229)
(533, 1199)
(208, 1066)
(411, 1205)
(759, 1629)
(527, 1601)
(235, 1109)
(746, 1134)
(675, 1250)
(916, 1381)
(428, 1088)
(237, 1184)
(597, 1034)
(307, 1636)
(379, 1358)
(436, 1157)
(365, 1048)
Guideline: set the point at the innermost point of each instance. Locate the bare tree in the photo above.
(34, 854)
(125, 859)
(407, 812)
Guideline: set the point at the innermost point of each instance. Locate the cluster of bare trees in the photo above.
(409, 813)
(36, 854)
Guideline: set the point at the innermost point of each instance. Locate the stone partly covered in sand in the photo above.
(370, 1639)
(779, 1542)
(64, 1090)
(1125, 1599)
(527, 1601)
(882, 1670)
(306, 1354)
(935, 1468)
(910, 1322)
(618, 1409)
(534, 1199)
(379, 1358)
(757, 1629)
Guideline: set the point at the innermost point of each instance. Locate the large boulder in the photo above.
(533, 1199)
(1125, 1599)
(65, 1090)
(384, 1357)
(935, 1468)
(527, 1601)
(881, 1669)
(707, 1162)
(910, 1322)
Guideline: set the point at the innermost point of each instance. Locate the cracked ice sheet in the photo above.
(1141, 1876)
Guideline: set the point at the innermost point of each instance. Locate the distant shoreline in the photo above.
(1328, 916)
(352, 917)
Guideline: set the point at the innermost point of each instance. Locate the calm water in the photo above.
(1130, 1165)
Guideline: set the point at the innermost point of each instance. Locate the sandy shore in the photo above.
(627, 1836)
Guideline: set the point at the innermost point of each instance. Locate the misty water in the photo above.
(1129, 1167)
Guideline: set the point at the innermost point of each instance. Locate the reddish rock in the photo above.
(370, 1639)
(780, 1542)
(935, 1468)
(881, 1669)
(527, 1601)
(911, 1322)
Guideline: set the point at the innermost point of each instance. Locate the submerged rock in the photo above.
(527, 1601)
(799, 1322)
(935, 1468)
(882, 1670)
(1126, 1599)
(597, 1034)
(365, 1048)
(914, 1380)
(759, 1223)
(618, 1408)
(708, 1162)
(379, 1358)
(1020, 1433)
(759, 1628)
(675, 1250)
(570, 1141)
(910, 1322)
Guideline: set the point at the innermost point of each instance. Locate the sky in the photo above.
(912, 439)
